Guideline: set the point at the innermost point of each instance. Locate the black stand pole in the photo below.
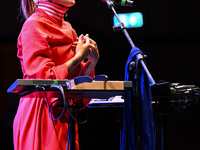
(161, 122)
(72, 133)
(136, 74)
(161, 94)
(163, 110)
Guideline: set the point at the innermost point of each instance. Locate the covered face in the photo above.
(65, 3)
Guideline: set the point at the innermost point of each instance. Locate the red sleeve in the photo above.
(36, 55)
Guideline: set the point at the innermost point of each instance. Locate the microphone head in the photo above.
(121, 2)
(128, 3)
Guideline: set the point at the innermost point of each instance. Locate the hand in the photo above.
(94, 52)
(83, 47)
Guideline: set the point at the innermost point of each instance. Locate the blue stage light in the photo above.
(130, 20)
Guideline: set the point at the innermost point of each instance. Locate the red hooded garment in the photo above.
(44, 45)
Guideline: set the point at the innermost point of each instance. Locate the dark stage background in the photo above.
(169, 37)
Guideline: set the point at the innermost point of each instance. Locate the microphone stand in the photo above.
(121, 26)
(137, 88)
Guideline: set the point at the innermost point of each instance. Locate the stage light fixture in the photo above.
(130, 20)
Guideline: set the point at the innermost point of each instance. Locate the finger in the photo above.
(92, 42)
(87, 40)
(81, 38)
(90, 49)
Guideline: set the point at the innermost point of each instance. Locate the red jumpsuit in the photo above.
(44, 45)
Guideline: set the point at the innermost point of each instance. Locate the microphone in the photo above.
(120, 2)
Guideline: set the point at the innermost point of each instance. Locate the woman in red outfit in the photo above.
(48, 48)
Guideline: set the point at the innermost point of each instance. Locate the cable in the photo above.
(64, 102)
(66, 105)
(48, 106)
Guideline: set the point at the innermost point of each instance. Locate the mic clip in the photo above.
(119, 27)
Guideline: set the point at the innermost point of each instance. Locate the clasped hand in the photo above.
(86, 48)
